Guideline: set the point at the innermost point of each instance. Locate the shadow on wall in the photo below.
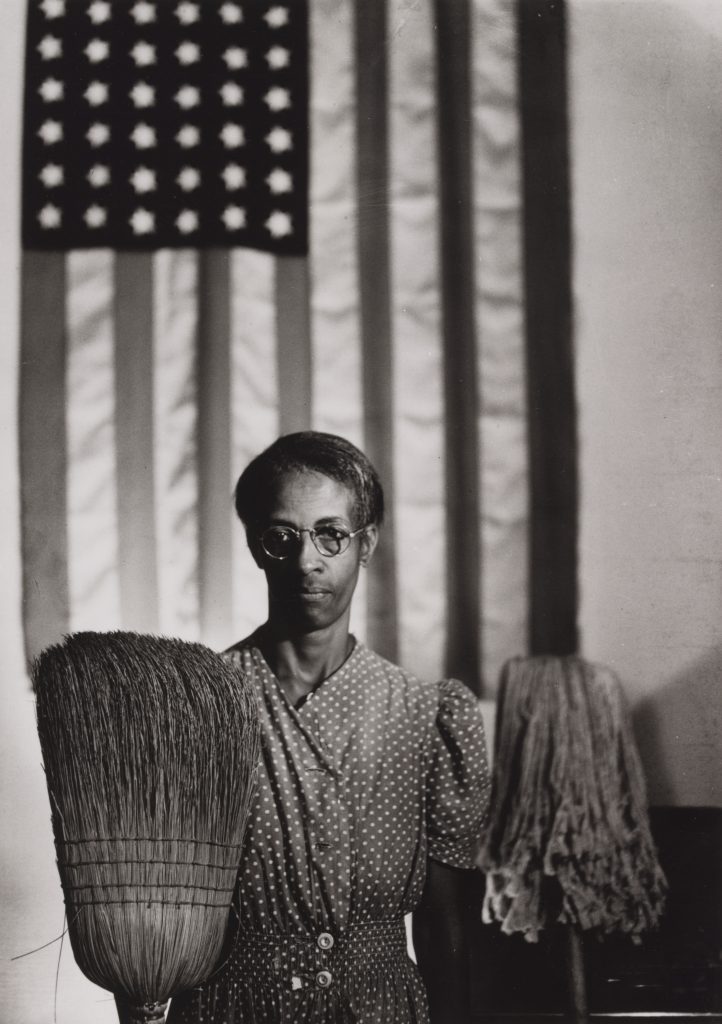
(682, 722)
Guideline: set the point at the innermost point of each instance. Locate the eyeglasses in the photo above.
(281, 541)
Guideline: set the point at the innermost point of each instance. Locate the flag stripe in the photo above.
(175, 431)
(43, 452)
(420, 514)
(135, 459)
(255, 416)
(214, 447)
(460, 371)
(91, 442)
(372, 170)
(504, 517)
(293, 328)
(337, 404)
(548, 303)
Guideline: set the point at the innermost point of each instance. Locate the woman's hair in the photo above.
(310, 450)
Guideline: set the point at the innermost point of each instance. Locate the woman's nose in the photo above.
(307, 556)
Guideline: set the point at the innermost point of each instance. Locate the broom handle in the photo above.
(148, 1013)
(576, 985)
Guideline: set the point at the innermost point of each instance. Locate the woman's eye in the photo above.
(331, 532)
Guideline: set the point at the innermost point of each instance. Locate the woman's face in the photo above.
(309, 591)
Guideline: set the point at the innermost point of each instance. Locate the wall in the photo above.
(647, 179)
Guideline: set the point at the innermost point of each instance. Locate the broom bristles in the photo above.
(150, 747)
(568, 804)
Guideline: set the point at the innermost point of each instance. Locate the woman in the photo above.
(373, 786)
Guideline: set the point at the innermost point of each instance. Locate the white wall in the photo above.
(646, 89)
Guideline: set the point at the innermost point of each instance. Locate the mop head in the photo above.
(150, 748)
(569, 838)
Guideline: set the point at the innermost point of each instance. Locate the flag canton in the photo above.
(166, 124)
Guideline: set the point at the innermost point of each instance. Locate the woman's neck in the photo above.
(301, 663)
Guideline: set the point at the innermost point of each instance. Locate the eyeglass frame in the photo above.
(298, 534)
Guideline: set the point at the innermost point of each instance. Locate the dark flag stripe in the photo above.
(43, 452)
(133, 329)
(293, 341)
(459, 339)
(550, 358)
(372, 174)
(214, 447)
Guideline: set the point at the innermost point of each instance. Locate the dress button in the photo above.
(324, 979)
(325, 940)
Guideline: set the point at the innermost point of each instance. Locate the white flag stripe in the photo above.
(337, 402)
(90, 437)
(420, 516)
(254, 410)
(175, 416)
(500, 327)
(336, 348)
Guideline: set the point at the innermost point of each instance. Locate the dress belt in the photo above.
(323, 959)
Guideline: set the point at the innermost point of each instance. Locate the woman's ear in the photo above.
(254, 546)
(369, 540)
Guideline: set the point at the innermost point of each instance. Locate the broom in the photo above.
(150, 747)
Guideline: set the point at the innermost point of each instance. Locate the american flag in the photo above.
(245, 218)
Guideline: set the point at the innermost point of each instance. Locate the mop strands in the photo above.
(150, 748)
(568, 805)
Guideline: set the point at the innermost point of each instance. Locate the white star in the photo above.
(188, 136)
(231, 14)
(99, 11)
(188, 96)
(143, 135)
(99, 175)
(95, 216)
(276, 17)
(231, 94)
(51, 90)
(97, 50)
(53, 8)
(278, 57)
(143, 13)
(279, 224)
(234, 217)
(49, 216)
(235, 58)
(278, 98)
(96, 94)
(279, 181)
(233, 176)
(142, 94)
(187, 221)
(142, 221)
(143, 54)
(232, 135)
(50, 132)
(188, 53)
(189, 178)
(280, 140)
(50, 47)
(98, 134)
(52, 175)
(143, 179)
(187, 13)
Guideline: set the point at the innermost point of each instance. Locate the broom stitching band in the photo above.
(146, 860)
(80, 904)
(149, 885)
(147, 839)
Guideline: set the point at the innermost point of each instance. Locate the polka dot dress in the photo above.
(371, 775)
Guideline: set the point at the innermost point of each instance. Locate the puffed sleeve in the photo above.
(458, 784)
